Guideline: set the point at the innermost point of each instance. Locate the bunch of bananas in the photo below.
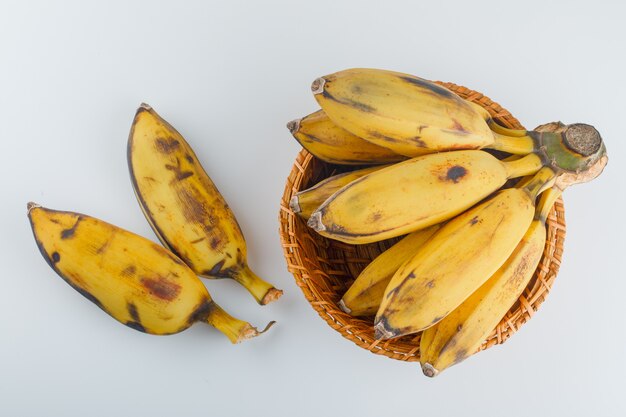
(148, 287)
(470, 195)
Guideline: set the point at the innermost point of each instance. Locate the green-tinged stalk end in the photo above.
(262, 291)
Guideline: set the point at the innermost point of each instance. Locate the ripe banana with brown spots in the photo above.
(330, 143)
(414, 194)
(185, 208)
(457, 260)
(460, 333)
(136, 281)
(412, 116)
(307, 201)
(366, 292)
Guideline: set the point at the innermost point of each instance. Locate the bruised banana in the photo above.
(185, 208)
(460, 333)
(136, 281)
(366, 293)
(414, 194)
(457, 260)
(330, 143)
(413, 116)
(307, 201)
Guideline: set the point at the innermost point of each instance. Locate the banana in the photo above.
(414, 194)
(185, 208)
(136, 281)
(412, 116)
(365, 294)
(460, 333)
(457, 260)
(307, 201)
(330, 143)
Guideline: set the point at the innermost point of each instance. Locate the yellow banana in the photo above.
(307, 201)
(185, 208)
(414, 194)
(330, 143)
(136, 281)
(365, 294)
(457, 260)
(412, 116)
(461, 332)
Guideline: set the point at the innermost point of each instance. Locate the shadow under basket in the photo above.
(324, 269)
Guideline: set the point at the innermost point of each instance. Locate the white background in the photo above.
(229, 75)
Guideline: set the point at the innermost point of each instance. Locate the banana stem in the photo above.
(546, 201)
(236, 330)
(515, 133)
(527, 165)
(542, 179)
(262, 291)
(521, 145)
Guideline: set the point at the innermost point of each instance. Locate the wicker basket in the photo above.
(324, 268)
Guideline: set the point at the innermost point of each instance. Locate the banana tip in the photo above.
(382, 330)
(145, 106)
(293, 126)
(249, 331)
(30, 205)
(344, 307)
(317, 86)
(272, 295)
(315, 222)
(429, 370)
(294, 205)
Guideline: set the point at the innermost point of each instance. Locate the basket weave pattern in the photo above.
(324, 269)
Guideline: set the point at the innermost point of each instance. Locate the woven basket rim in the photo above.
(315, 274)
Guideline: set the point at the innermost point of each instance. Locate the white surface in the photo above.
(229, 75)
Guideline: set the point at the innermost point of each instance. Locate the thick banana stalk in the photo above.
(457, 260)
(366, 292)
(136, 281)
(414, 194)
(460, 333)
(330, 143)
(185, 208)
(307, 201)
(412, 116)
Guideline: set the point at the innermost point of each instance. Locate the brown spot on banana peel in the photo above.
(189, 159)
(137, 326)
(195, 241)
(161, 287)
(68, 233)
(456, 173)
(166, 145)
(55, 257)
(458, 127)
(430, 86)
(474, 220)
(129, 271)
(132, 311)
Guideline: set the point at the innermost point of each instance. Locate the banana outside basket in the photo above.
(324, 269)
